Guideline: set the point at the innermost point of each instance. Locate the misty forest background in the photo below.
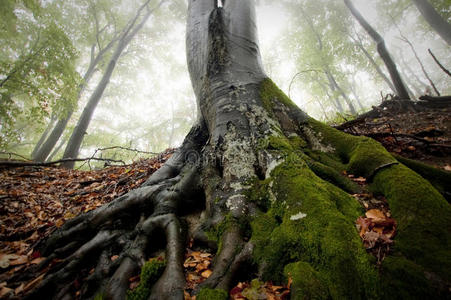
(54, 55)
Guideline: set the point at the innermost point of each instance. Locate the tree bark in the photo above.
(399, 85)
(44, 151)
(249, 165)
(76, 138)
(374, 64)
(434, 19)
(43, 136)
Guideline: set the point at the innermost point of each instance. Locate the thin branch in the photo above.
(11, 154)
(296, 75)
(125, 148)
(438, 63)
(43, 164)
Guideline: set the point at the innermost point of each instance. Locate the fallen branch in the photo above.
(11, 154)
(438, 63)
(125, 148)
(16, 163)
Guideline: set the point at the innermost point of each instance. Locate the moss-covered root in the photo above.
(440, 179)
(312, 222)
(150, 273)
(423, 216)
(307, 283)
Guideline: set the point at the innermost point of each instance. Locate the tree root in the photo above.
(124, 229)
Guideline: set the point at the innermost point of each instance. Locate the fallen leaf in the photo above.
(5, 291)
(23, 259)
(375, 214)
(33, 283)
(206, 273)
(114, 257)
(19, 289)
(5, 259)
(37, 261)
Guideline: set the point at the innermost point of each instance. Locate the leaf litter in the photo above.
(376, 229)
(35, 201)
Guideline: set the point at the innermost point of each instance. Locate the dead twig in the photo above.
(438, 63)
(18, 163)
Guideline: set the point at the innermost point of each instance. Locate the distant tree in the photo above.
(129, 32)
(99, 32)
(434, 19)
(383, 52)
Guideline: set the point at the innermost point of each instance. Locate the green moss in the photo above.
(403, 279)
(423, 217)
(362, 155)
(212, 294)
(307, 283)
(279, 143)
(269, 93)
(334, 177)
(150, 273)
(297, 142)
(313, 221)
(98, 296)
(440, 179)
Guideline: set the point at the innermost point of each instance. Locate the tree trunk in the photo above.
(268, 180)
(44, 151)
(43, 136)
(401, 90)
(334, 83)
(375, 65)
(434, 19)
(75, 140)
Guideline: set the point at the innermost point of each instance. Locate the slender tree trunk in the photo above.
(375, 65)
(76, 139)
(57, 149)
(434, 19)
(334, 100)
(44, 135)
(342, 93)
(44, 151)
(399, 85)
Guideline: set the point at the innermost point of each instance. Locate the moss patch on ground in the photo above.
(150, 273)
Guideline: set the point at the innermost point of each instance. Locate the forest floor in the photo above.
(35, 201)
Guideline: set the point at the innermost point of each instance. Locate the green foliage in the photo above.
(150, 273)
(37, 69)
(212, 294)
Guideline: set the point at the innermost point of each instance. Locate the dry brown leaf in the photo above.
(114, 257)
(23, 259)
(5, 291)
(37, 261)
(206, 273)
(33, 283)
(5, 259)
(375, 214)
(19, 289)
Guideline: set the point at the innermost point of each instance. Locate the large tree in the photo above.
(268, 181)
